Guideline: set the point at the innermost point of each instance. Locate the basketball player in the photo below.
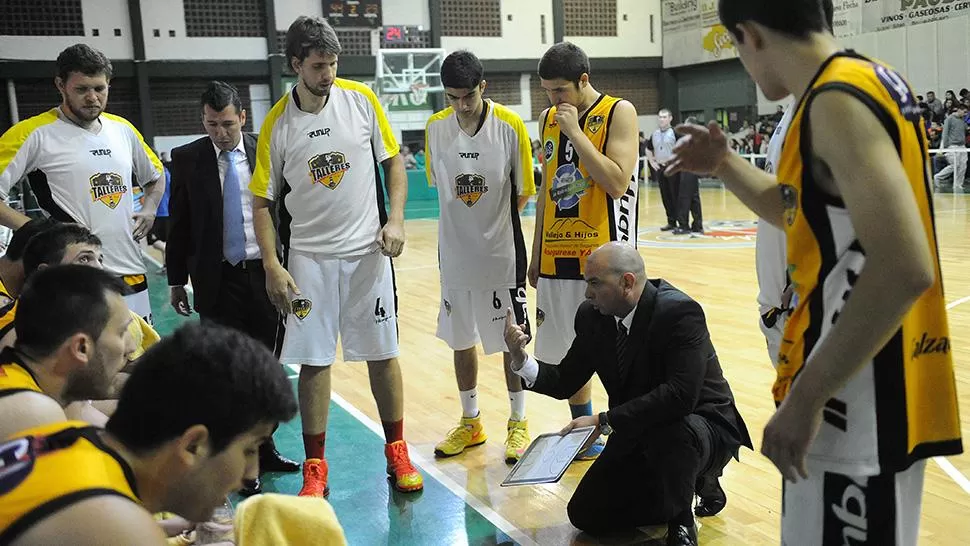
(72, 324)
(86, 486)
(480, 158)
(81, 163)
(865, 382)
(317, 152)
(589, 197)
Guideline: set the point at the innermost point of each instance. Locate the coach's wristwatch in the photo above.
(605, 428)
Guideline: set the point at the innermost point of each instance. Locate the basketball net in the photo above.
(419, 93)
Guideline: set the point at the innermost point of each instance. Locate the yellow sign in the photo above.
(717, 40)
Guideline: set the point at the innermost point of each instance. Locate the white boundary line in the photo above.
(486, 511)
(946, 465)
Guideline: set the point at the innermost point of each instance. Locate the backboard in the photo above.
(401, 71)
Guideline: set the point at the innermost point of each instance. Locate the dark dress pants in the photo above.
(243, 304)
(669, 191)
(689, 203)
(648, 482)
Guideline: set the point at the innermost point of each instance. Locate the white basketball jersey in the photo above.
(770, 250)
(479, 179)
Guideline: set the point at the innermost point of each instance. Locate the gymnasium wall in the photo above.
(76, 21)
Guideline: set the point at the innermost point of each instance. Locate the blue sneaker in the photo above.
(592, 452)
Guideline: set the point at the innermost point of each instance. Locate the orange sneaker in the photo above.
(406, 477)
(315, 478)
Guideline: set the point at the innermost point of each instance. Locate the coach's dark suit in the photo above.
(673, 415)
(231, 295)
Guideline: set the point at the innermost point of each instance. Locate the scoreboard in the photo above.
(353, 13)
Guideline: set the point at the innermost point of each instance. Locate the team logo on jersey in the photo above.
(301, 308)
(568, 186)
(16, 463)
(447, 307)
(540, 317)
(328, 169)
(469, 188)
(594, 123)
(549, 149)
(789, 199)
(108, 188)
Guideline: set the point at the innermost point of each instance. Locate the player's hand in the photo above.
(701, 151)
(533, 272)
(580, 422)
(788, 435)
(179, 299)
(655, 165)
(143, 224)
(567, 116)
(281, 288)
(391, 239)
(516, 338)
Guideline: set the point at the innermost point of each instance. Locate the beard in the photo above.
(92, 382)
(318, 92)
(84, 113)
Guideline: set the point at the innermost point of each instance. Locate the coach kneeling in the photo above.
(672, 416)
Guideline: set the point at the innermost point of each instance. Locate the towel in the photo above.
(272, 519)
(143, 335)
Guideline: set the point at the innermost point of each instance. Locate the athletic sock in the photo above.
(393, 430)
(469, 403)
(313, 445)
(517, 402)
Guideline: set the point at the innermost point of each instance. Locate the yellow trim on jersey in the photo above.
(14, 138)
(7, 315)
(4, 292)
(259, 184)
(913, 372)
(438, 116)
(15, 377)
(157, 163)
(391, 147)
(527, 186)
(75, 466)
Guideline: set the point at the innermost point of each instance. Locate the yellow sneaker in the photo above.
(468, 433)
(517, 440)
(407, 479)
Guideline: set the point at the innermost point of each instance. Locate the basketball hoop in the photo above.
(419, 93)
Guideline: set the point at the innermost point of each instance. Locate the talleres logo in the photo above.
(328, 169)
(108, 188)
(568, 186)
(469, 188)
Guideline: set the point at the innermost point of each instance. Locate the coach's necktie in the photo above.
(621, 339)
(233, 235)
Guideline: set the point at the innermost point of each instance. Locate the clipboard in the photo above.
(548, 457)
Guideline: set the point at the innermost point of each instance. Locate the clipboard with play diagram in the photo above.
(548, 457)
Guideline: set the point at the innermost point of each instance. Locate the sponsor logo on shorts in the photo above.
(108, 188)
(328, 169)
(594, 124)
(846, 519)
(789, 199)
(301, 308)
(380, 315)
(928, 345)
(447, 307)
(469, 188)
(540, 317)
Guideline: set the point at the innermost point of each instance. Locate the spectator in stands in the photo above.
(936, 107)
(409, 161)
(963, 93)
(780, 113)
(949, 95)
(954, 137)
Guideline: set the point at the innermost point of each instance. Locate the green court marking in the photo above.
(368, 507)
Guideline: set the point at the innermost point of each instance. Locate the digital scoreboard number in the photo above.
(353, 13)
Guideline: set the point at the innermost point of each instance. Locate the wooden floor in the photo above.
(723, 280)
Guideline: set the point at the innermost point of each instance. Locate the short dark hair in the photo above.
(307, 34)
(462, 70)
(564, 60)
(48, 247)
(201, 375)
(23, 235)
(964, 91)
(795, 18)
(60, 301)
(84, 59)
(218, 95)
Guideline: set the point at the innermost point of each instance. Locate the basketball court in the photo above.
(463, 503)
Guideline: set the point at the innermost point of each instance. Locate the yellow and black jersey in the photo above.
(15, 376)
(579, 215)
(45, 469)
(5, 296)
(902, 405)
(8, 313)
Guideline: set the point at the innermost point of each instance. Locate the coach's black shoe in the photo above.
(668, 227)
(681, 535)
(270, 459)
(252, 487)
(712, 498)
